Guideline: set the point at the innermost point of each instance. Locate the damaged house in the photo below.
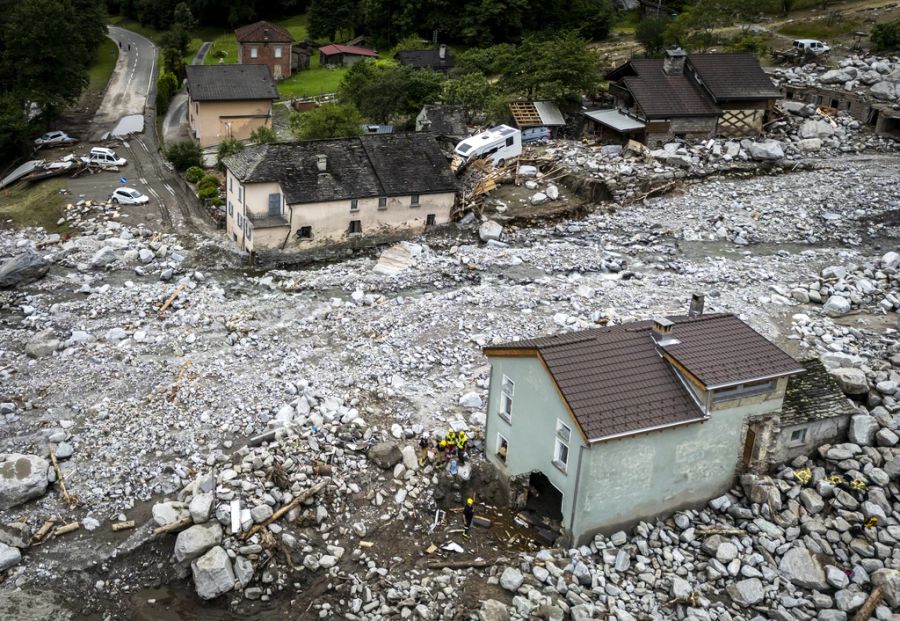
(608, 426)
(296, 196)
(687, 96)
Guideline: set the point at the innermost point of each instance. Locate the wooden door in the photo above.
(749, 446)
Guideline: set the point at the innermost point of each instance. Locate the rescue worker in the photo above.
(451, 444)
(468, 516)
(858, 529)
(442, 447)
(461, 443)
(423, 449)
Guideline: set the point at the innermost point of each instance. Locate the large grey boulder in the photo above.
(769, 150)
(103, 257)
(196, 540)
(490, 230)
(852, 381)
(835, 76)
(816, 129)
(809, 145)
(23, 269)
(862, 429)
(22, 478)
(10, 556)
(884, 90)
(889, 581)
(200, 507)
(213, 574)
(511, 579)
(169, 512)
(836, 306)
(492, 610)
(746, 592)
(385, 455)
(42, 344)
(802, 569)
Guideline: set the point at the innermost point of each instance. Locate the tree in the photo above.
(183, 17)
(328, 121)
(471, 91)
(176, 38)
(184, 155)
(561, 68)
(592, 18)
(329, 17)
(384, 90)
(650, 32)
(173, 61)
(166, 87)
(886, 36)
(263, 135)
(227, 147)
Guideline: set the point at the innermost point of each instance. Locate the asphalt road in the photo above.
(131, 82)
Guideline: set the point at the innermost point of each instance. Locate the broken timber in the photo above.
(868, 608)
(174, 526)
(312, 491)
(471, 563)
(171, 299)
(69, 500)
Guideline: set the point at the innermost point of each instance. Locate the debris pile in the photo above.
(877, 77)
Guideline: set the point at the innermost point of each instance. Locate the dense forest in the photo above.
(46, 47)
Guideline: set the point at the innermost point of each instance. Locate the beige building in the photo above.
(228, 101)
(298, 196)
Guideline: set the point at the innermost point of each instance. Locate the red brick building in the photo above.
(265, 43)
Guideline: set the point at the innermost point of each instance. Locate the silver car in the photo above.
(52, 138)
(128, 196)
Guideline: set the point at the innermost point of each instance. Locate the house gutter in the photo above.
(755, 379)
(575, 500)
(625, 434)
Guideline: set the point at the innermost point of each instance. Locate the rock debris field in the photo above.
(269, 421)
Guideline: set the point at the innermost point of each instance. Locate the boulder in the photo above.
(816, 129)
(803, 569)
(490, 230)
(103, 257)
(410, 459)
(16, 534)
(809, 145)
(884, 90)
(42, 344)
(471, 400)
(196, 540)
(769, 150)
(169, 512)
(213, 573)
(22, 478)
(539, 199)
(200, 507)
(22, 269)
(852, 381)
(891, 260)
(889, 581)
(385, 455)
(862, 429)
(511, 579)
(746, 592)
(10, 556)
(492, 610)
(552, 192)
(835, 76)
(836, 306)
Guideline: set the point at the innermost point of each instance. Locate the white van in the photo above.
(811, 46)
(101, 156)
(497, 144)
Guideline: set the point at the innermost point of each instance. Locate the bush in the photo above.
(263, 135)
(208, 192)
(194, 174)
(184, 155)
(328, 121)
(208, 182)
(886, 36)
(226, 148)
(754, 44)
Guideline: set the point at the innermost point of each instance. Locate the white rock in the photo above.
(213, 573)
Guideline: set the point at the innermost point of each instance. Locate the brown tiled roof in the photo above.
(662, 96)
(261, 32)
(731, 77)
(616, 382)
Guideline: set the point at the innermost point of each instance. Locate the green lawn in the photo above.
(820, 29)
(103, 65)
(38, 204)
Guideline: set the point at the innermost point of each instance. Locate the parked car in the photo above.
(53, 138)
(128, 196)
(101, 156)
(811, 46)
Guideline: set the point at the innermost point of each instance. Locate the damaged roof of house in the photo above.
(230, 82)
(367, 166)
(813, 396)
(615, 381)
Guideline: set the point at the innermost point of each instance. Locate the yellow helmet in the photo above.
(462, 434)
(443, 443)
(470, 502)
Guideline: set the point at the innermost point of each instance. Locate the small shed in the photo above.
(613, 126)
(336, 55)
(537, 119)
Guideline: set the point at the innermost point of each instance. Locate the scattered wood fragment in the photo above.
(366, 544)
(868, 608)
(652, 192)
(43, 531)
(320, 468)
(691, 600)
(466, 564)
(483, 522)
(174, 390)
(123, 525)
(312, 491)
(174, 526)
(69, 499)
(431, 549)
(171, 299)
(65, 529)
(715, 530)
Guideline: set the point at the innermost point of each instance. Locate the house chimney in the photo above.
(674, 61)
(442, 51)
(662, 331)
(265, 34)
(696, 308)
(322, 162)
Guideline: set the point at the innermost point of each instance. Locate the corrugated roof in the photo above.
(230, 82)
(261, 32)
(335, 48)
(367, 166)
(549, 113)
(663, 96)
(616, 382)
(814, 395)
(616, 120)
(731, 77)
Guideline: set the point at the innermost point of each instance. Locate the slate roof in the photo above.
(663, 96)
(426, 59)
(257, 33)
(814, 395)
(230, 82)
(733, 77)
(367, 166)
(445, 119)
(616, 382)
(335, 48)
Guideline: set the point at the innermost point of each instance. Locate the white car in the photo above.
(127, 196)
(51, 138)
(811, 46)
(101, 156)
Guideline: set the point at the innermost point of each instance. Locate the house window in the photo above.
(382, 202)
(430, 220)
(229, 183)
(507, 388)
(502, 448)
(354, 204)
(509, 141)
(277, 52)
(240, 221)
(561, 450)
(253, 52)
(230, 209)
(241, 194)
(798, 436)
(248, 229)
(355, 227)
(275, 204)
(414, 200)
(305, 232)
(747, 389)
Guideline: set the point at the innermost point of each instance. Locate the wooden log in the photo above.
(483, 522)
(171, 299)
(466, 564)
(712, 530)
(69, 500)
(174, 526)
(312, 491)
(43, 531)
(65, 529)
(868, 608)
(123, 525)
